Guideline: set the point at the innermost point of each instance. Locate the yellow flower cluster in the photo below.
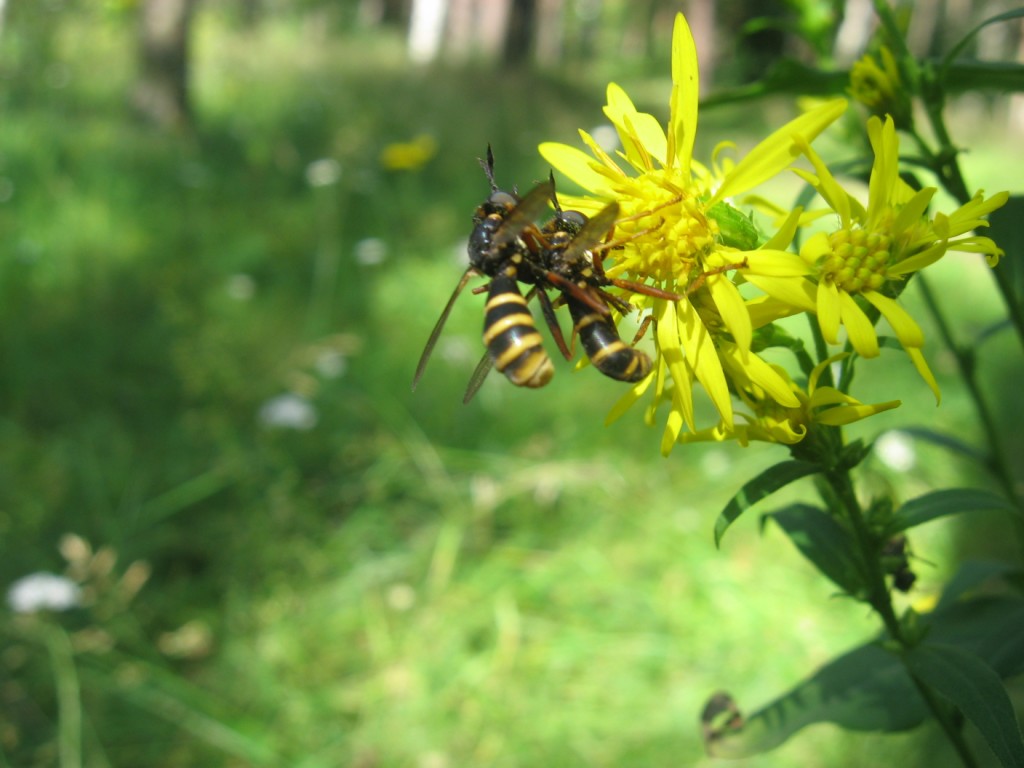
(682, 234)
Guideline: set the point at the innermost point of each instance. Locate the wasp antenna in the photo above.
(554, 195)
(488, 166)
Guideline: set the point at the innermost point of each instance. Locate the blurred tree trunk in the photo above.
(700, 15)
(383, 12)
(161, 93)
(550, 40)
(426, 29)
(476, 28)
(519, 34)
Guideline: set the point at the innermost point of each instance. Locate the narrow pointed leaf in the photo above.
(950, 443)
(951, 501)
(822, 541)
(976, 690)
(762, 486)
(869, 689)
(957, 49)
(972, 574)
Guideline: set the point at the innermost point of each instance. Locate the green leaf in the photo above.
(951, 501)
(765, 484)
(1004, 228)
(957, 49)
(822, 541)
(976, 690)
(987, 626)
(868, 688)
(853, 454)
(950, 443)
(971, 575)
(784, 76)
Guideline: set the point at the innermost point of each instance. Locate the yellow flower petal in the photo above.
(768, 309)
(672, 353)
(826, 185)
(903, 325)
(786, 232)
(795, 292)
(919, 261)
(628, 400)
(913, 211)
(885, 169)
(774, 154)
(754, 369)
(732, 308)
(577, 166)
(682, 123)
(859, 329)
(829, 311)
(641, 134)
(917, 358)
(704, 360)
(816, 247)
(673, 426)
(774, 263)
(847, 409)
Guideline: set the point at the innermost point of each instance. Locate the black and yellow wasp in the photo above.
(572, 259)
(502, 247)
(563, 255)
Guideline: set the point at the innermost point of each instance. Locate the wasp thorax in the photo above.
(500, 198)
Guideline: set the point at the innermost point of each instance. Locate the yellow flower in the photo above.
(770, 422)
(876, 83)
(679, 232)
(409, 155)
(864, 264)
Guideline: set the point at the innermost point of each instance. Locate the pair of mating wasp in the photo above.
(507, 246)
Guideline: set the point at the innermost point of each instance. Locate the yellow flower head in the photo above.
(876, 83)
(865, 262)
(409, 155)
(678, 230)
(768, 421)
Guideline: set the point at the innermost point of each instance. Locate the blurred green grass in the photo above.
(411, 581)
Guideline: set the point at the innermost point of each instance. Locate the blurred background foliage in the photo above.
(226, 229)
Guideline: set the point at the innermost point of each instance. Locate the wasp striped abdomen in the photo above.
(606, 350)
(511, 336)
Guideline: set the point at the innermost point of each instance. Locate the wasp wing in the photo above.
(436, 333)
(593, 232)
(524, 214)
(479, 376)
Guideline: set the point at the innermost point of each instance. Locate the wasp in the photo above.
(502, 246)
(573, 263)
(565, 256)
(572, 266)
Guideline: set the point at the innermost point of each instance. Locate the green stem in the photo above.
(953, 733)
(945, 166)
(820, 348)
(880, 600)
(69, 706)
(878, 592)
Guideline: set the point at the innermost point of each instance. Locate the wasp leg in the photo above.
(552, 321)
